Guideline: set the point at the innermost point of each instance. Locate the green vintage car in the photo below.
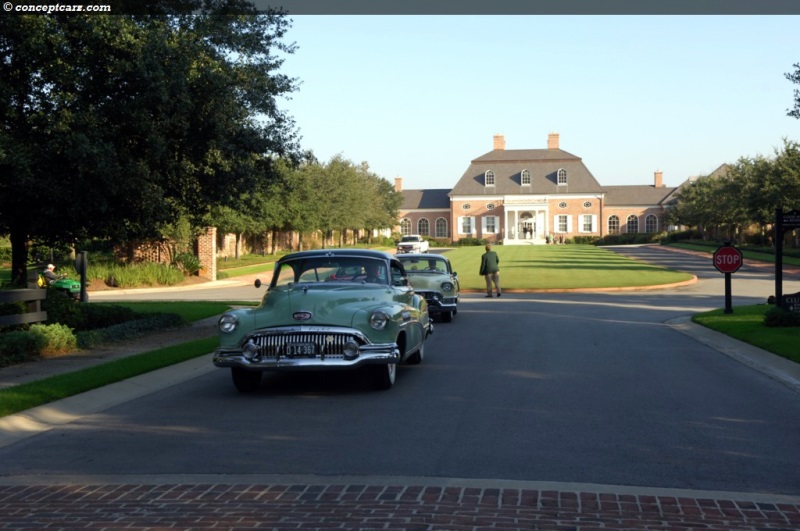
(327, 309)
(432, 277)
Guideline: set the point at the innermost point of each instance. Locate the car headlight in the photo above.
(228, 323)
(447, 287)
(378, 320)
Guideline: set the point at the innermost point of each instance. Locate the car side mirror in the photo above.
(455, 274)
(257, 283)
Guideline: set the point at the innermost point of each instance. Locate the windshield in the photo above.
(409, 239)
(424, 265)
(331, 269)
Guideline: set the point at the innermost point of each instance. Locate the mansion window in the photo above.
(441, 228)
(632, 224)
(562, 176)
(466, 225)
(651, 223)
(490, 224)
(588, 223)
(489, 176)
(613, 225)
(562, 223)
(525, 177)
(423, 227)
(405, 227)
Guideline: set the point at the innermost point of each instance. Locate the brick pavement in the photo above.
(367, 507)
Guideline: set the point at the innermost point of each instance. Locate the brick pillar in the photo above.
(207, 253)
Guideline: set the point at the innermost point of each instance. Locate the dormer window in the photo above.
(525, 177)
(489, 178)
(562, 176)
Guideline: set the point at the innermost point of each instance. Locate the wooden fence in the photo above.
(33, 297)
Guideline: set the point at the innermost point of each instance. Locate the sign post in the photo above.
(727, 259)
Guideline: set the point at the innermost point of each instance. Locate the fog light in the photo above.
(250, 350)
(350, 350)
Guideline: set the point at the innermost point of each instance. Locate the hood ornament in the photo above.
(302, 316)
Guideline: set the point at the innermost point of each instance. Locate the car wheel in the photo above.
(383, 376)
(416, 358)
(447, 317)
(246, 381)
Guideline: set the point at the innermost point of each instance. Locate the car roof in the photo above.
(355, 253)
(420, 256)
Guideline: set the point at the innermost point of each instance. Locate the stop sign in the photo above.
(727, 259)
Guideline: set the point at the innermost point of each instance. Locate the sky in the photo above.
(419, 97)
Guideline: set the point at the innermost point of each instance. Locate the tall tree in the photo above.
(794, 77)
(114, 126)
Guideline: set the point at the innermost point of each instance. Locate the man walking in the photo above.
(490, 269)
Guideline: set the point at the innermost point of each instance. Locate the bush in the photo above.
(676, 236)
(629, 239)
(56, 338)
(128, 330)
(20, 346)
(778, 317)
(585, 240)
(188, 263)
(466, 242)
(145, 274)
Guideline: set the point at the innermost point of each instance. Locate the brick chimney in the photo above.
(658, 179)
(499, 142)
(398, 184)
(552, 141)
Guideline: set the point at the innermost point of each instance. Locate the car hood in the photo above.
(428, 281)
(313, 304)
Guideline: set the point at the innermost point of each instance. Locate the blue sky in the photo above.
(418, 97)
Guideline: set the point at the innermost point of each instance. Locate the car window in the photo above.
(327, 269)
(424, 265)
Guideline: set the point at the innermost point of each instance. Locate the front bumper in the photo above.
(305, 348)
(438, 303)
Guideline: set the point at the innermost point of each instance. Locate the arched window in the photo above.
(525, 177)
(423, 227)
(651, 224)
(489, 176)
(613, 225)
(632, 224)
(562, 176)
(441, 228)
(405, 227)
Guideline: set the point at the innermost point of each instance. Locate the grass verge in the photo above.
(746, 323)
(25, 396)
(543, 267)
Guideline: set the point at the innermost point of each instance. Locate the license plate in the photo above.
(301, 350)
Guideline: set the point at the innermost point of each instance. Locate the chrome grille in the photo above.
(327, 344)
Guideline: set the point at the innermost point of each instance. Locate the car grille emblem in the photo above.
(301, 316)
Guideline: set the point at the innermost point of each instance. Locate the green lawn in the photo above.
(746, 324)
(544, 267)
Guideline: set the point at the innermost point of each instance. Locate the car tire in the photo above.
(417, 357)
(446, 317)
(246, 381)
(383, 376)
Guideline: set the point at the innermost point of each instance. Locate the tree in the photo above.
(115, 126)
(794, 77)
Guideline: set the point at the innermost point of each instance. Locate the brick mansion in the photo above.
(527, 196)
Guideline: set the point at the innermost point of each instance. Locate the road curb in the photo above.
(780, 369)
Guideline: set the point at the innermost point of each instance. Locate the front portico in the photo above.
(525, 221)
